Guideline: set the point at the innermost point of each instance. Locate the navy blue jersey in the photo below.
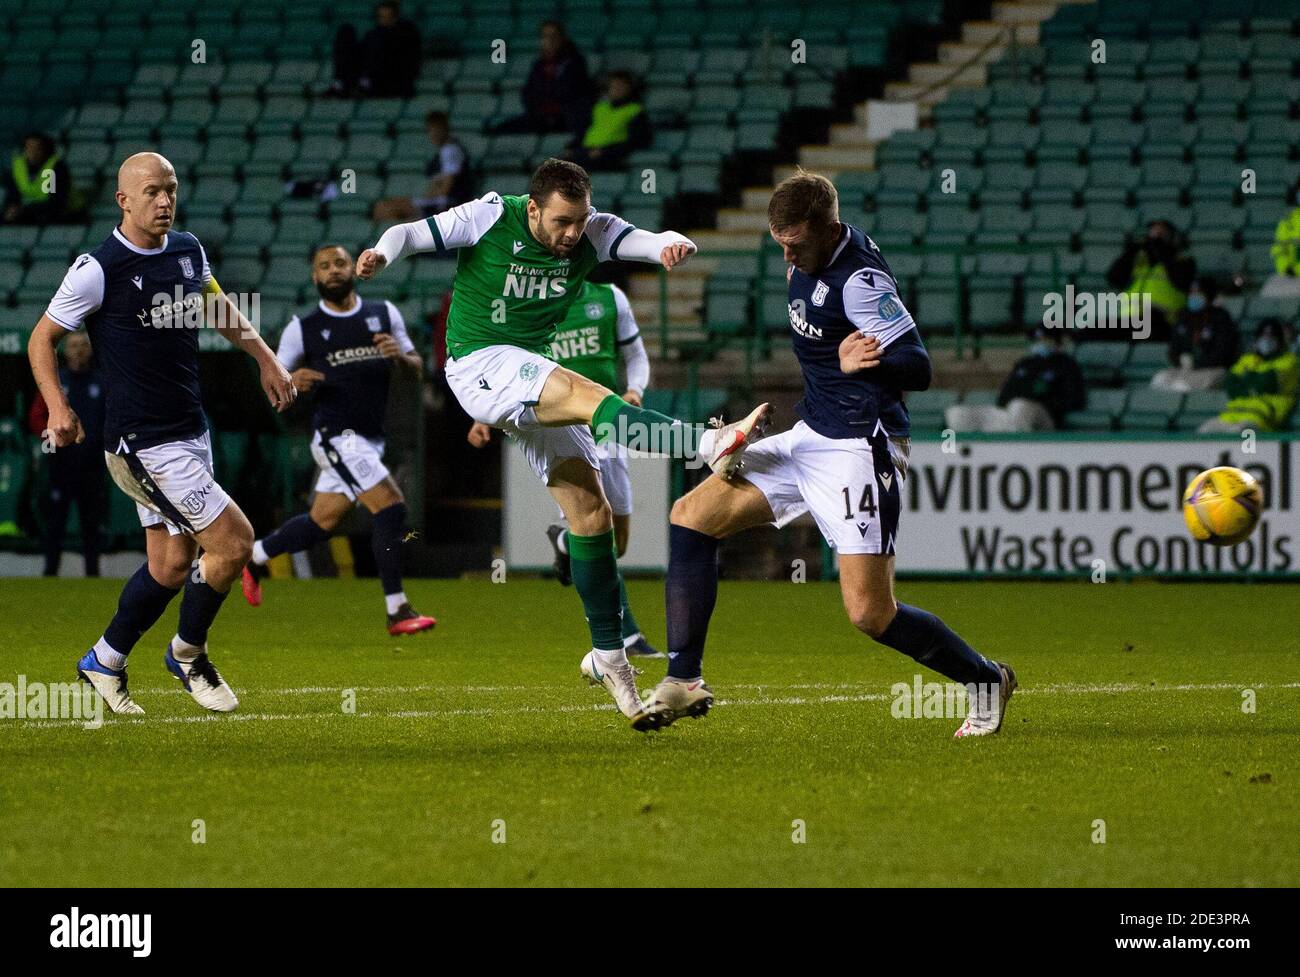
(146, 351)
(354, 394)
(854, 292)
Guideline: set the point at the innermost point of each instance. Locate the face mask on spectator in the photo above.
(1195, 303)
(1041, 349)
(1266, 346)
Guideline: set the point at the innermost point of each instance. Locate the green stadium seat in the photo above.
(1198, 407)
(1102, 412)
(1150, 410)
(926, 408)
(1102, 362)
(1144, 361)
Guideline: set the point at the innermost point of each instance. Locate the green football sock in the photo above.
(645, 430)
(629, 622)
(596, 579)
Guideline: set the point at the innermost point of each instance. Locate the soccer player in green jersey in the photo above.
(597, 336)
(520, 263)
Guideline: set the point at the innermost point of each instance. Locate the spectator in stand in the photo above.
(76, 471)
(1204, 342)
(1156, 264)
(1043, 387)
(1286, 257)
(384, 63)
(557, 93)
(38, 187)
(448, 175)
(1261, 385)
(619, 126)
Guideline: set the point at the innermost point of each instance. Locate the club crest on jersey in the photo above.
(889, 308)
(187, 267)
(372, 323)
(528, 371)
(819, 293)
(594, 310)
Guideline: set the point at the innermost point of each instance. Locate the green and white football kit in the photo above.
(509, 295)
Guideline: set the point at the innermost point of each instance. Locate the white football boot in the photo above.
(984, 716)
(620, 681)
(202, 680)
(722, 445)
(673, 699)
(109, 683)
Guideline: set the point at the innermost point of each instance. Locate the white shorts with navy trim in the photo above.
(850, 485)
(500, 386)
(349, 463)
(172, 484)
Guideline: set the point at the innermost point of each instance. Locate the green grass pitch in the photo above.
(1130, 714)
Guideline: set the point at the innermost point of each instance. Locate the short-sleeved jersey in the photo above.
(509, 289)
(590, 337)
(354, 394)
(131, 301)
(856, 291)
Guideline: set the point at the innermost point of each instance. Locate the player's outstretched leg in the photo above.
(300, 533)
(866, 582)
(227, 545)
(570, 398)
(143, 600)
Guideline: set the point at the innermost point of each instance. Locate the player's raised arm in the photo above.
(617, 240)
(460, 227)
(887, 342)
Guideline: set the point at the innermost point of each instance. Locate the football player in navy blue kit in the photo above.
(346, 350)
(859, 350)
(142, 295)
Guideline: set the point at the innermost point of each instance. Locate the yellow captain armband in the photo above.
(213, 287)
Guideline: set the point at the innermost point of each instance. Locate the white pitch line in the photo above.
(609, 707)
(1059, 688)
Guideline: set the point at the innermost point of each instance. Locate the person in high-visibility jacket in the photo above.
(1286, 258)
(37, 184)
(1155, 264)
(619, 126)
(1261, 386)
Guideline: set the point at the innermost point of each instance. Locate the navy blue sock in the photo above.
(199, 609)
(690, 592)
(386, 542)
(922, 636)
(142, 602)
(296, 535)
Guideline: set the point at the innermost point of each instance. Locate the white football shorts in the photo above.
(500, 386)
(172, 484)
